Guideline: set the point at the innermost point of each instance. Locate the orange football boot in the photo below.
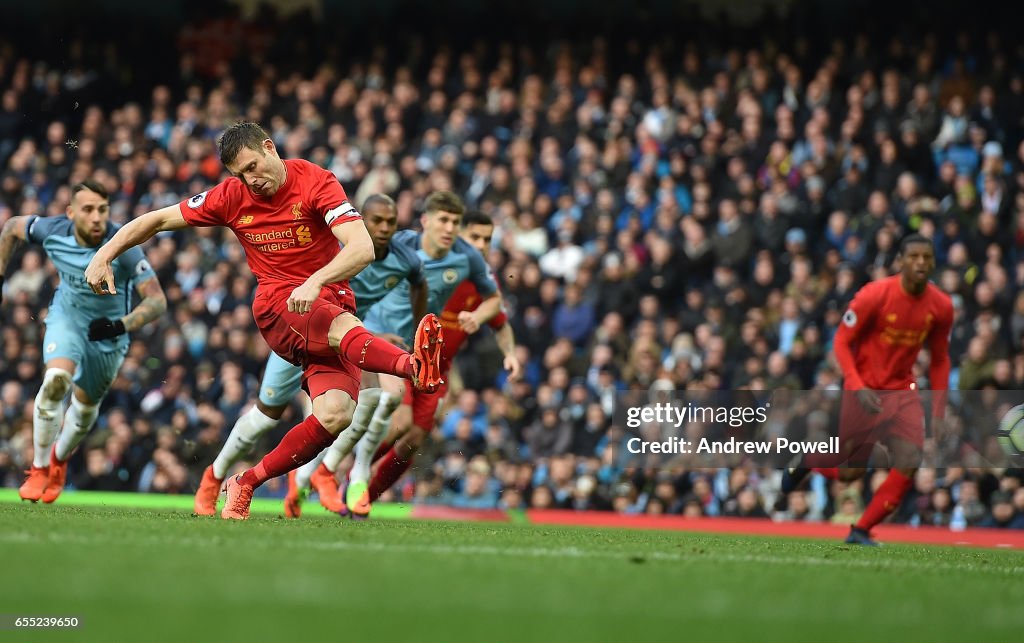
(58, 477)
(207, 494)
(36, 481)
(238, 501)
(426, 355)
(326, 486)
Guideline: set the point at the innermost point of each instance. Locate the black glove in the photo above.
(103, 328)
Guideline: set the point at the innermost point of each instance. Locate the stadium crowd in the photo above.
(669, 214)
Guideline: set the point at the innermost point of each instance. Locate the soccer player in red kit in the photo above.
(876, 345)
(290, 216)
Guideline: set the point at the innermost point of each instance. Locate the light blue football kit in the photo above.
(282, 380)
(393, 314)
(75, 305)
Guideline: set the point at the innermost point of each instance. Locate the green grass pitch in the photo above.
(160, 574)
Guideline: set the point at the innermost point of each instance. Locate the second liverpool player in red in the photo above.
(886, 325)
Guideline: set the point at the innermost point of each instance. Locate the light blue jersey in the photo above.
(74, 304)
(380, 277)
(282, 380)
(393, 313)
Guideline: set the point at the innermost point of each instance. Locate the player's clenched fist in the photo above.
(100, 276)
(302, 298)
(468, 322)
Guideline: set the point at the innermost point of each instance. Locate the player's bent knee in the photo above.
(340, 326)
(56, 384)
(334, 412)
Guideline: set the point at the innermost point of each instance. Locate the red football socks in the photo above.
(297, 447)
(374, 354)
(389, 470)
(832, 473)
(382, 450)
(886, 500)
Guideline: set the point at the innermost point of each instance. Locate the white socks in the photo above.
(375, 434)
(77, 422)
(46, 415)
(242, 439)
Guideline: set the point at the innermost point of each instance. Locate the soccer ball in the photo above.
(1011, 432)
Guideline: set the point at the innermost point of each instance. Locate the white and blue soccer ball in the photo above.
(1011, 432)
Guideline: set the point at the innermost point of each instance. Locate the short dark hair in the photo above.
(915, 238)
(378, 199)
(240, 135)
(92, 185)
(446, 201)
(476, 217)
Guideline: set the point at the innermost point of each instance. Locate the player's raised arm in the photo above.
(356, 254)
(13, 234)
(99, 274)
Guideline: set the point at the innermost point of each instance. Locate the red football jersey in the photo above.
(466, 298)
(286, 237)
(883, 331)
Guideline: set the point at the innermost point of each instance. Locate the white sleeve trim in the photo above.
(345, 209)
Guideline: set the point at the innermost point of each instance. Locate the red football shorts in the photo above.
(902, 416)
(302, 339)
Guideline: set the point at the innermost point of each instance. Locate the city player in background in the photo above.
(462, 316)
(448, 261)
(86, 336)
(290, 216)
(876, 346)
(282, 380)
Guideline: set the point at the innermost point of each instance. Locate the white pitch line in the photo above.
(22, 537)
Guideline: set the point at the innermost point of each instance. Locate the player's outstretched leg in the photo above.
(370, 353)
(78, 421)
(45, 426)
(319, 473)
(297, 447)
(241, 440)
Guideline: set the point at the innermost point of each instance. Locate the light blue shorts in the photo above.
(95, 368)
(281, 381)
